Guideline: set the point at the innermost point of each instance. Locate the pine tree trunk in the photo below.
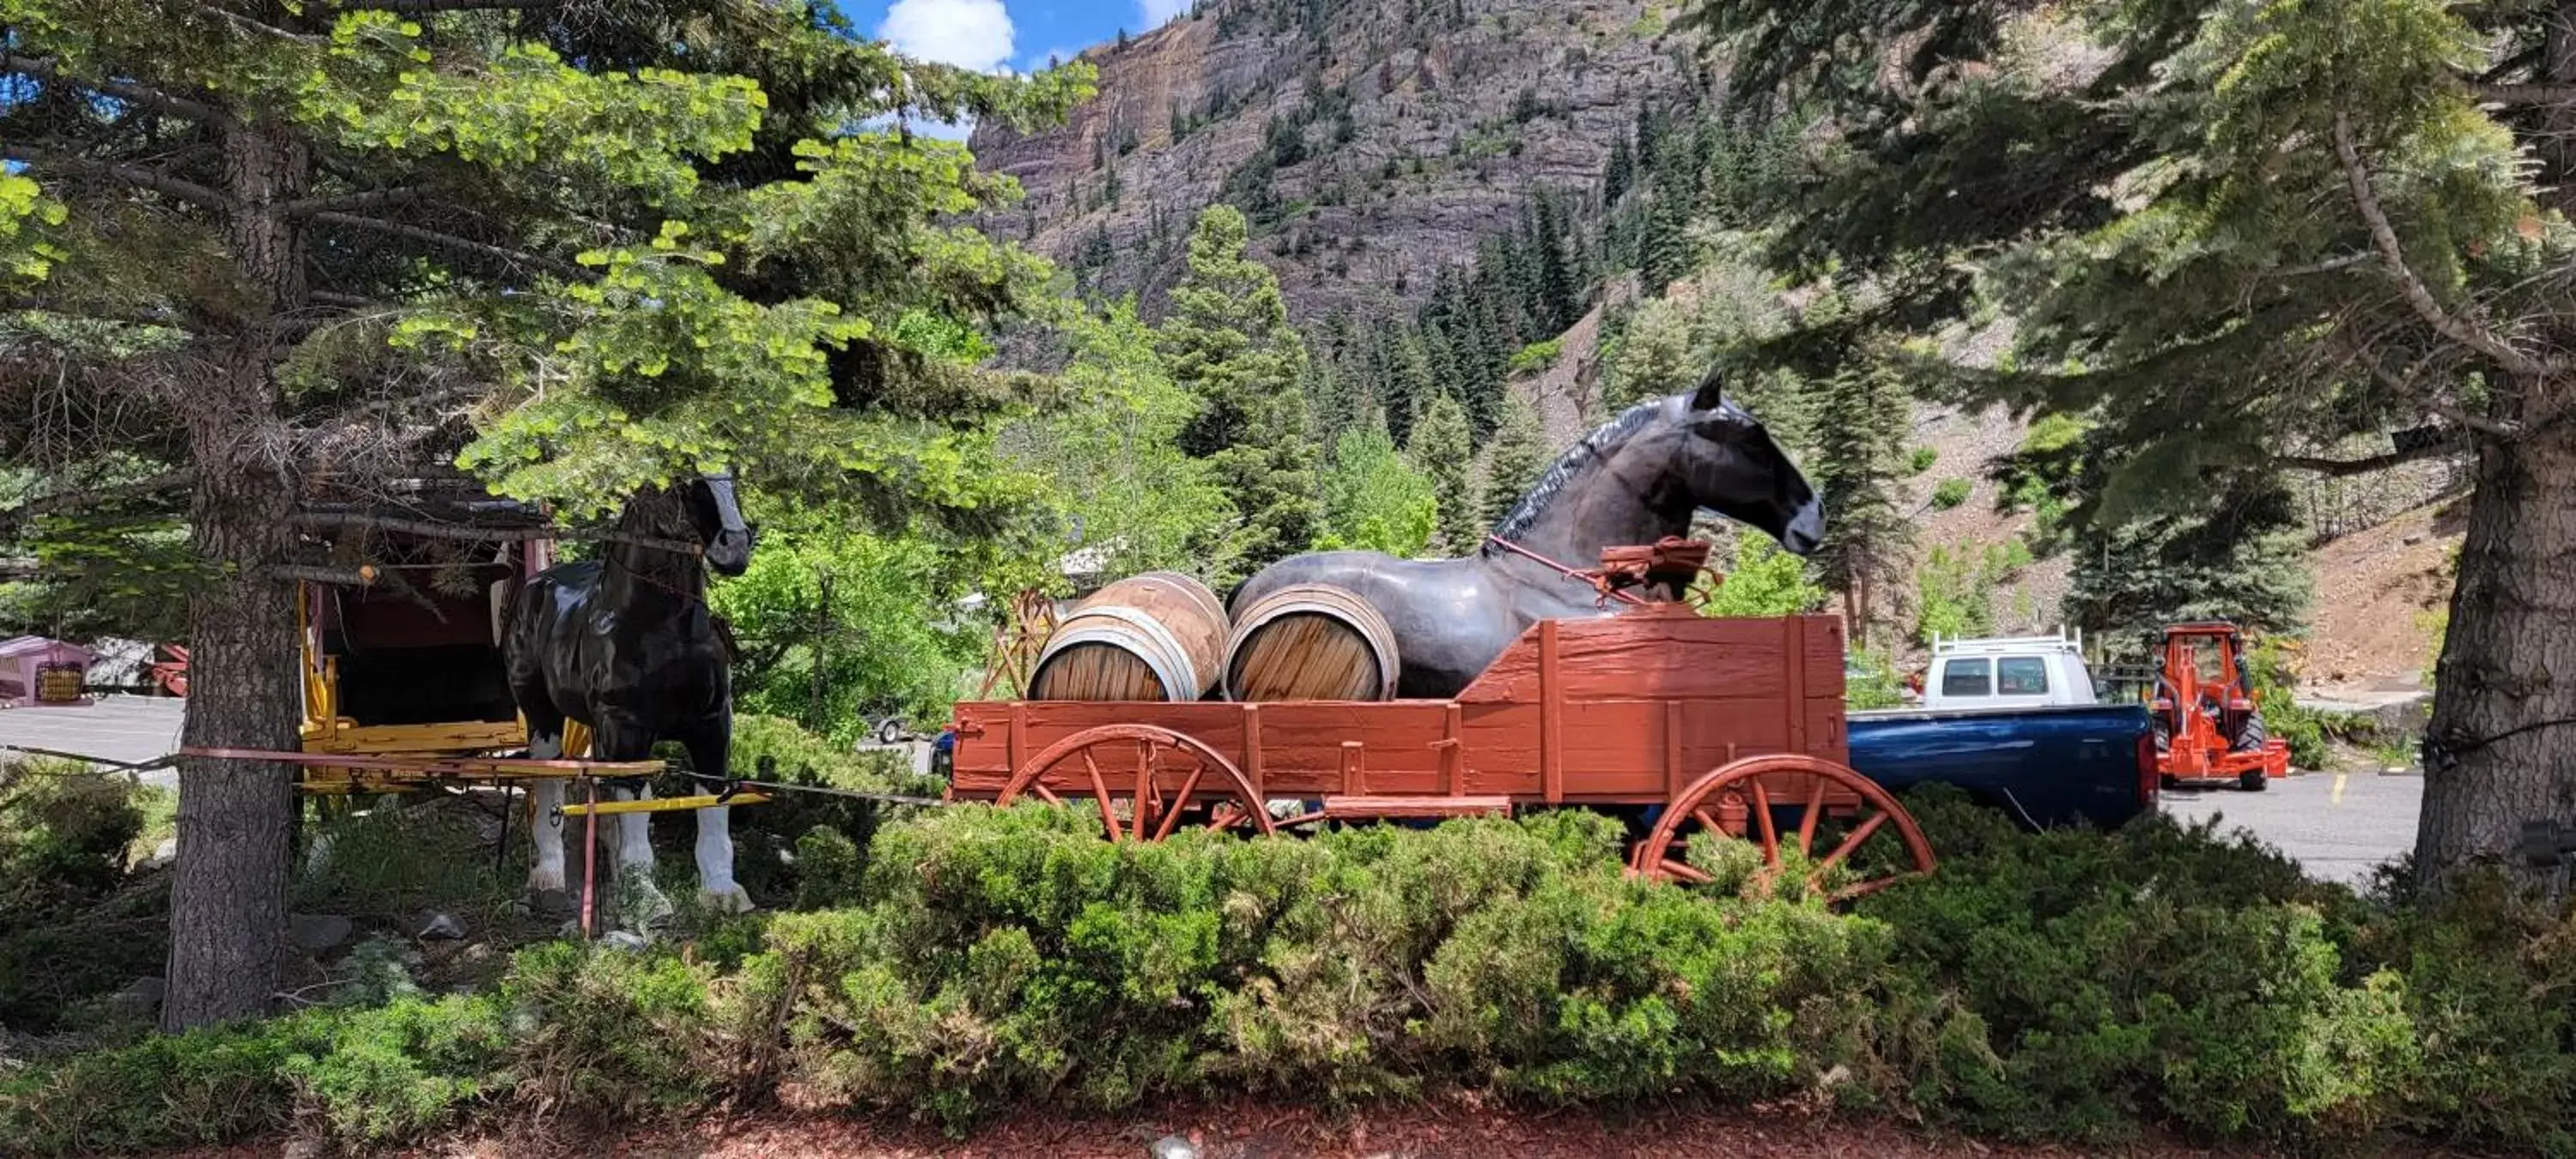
(2501, 749)
(228, 896)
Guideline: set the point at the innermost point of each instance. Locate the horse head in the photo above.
(715, 519)
(1731, 466)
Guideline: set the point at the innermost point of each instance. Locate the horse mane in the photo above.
(1577, 461)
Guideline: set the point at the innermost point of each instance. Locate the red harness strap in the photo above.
(1599, 582)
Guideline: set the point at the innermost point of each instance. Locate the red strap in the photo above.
(1598, 582)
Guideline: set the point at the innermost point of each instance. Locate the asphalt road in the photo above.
(126, 729)
(2337, 826)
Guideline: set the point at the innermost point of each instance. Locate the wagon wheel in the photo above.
(1162, 774)
(1737, 797)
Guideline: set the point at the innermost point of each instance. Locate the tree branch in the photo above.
(188, 191)
(247, 24)
(2436, 407)
(450, 241)
(2417, 295)
(2328, 266)
(72, 500)
(44, 69)
(2346, 468)
(2524, 94)
(342, 203)
(417, 7)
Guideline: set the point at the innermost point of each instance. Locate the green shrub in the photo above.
(1920, 459)
(73, 928)
(1536, 356)
(1951, 492)
(2074, 985)
(768, 839)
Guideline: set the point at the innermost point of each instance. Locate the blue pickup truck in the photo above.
(2050, 766)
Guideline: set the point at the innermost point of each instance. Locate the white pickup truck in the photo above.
(2008, 672)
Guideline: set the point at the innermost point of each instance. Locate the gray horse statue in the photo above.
(627, 646)
(1637, 479)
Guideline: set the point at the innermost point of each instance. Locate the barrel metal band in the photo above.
(1181, 685)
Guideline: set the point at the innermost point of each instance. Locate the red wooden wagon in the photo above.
(1731, 725)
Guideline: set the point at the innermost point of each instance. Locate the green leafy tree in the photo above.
(2240, 233)
(1116, 479)
(280, 251)
(1516, 459)
(1228, 342)
(1442, 451)
(839, 627)
(1373, 499)
(1764, 581)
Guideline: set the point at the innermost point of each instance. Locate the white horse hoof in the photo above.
(543, 880)
(728, 901)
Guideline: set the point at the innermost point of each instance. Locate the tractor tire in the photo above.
(2251, 780)
(2253, 736)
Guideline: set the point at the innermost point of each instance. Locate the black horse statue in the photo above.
(628, 647)
(1635, 480)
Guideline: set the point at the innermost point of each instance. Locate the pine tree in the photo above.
(2358, 249)
(1861, 421)
(1652, 359)
(1441, 450)
(1618, 172)
(281, 251)
(1228, 342)
(1518, 456)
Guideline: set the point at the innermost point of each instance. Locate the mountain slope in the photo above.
(1371, 141)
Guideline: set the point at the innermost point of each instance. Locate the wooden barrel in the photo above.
(1310, 642)
(1155, 636)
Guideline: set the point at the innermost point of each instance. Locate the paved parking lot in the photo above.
(2338, 826)
(127, 729)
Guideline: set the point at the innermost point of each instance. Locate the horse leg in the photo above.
(640, 901)
(710, 748)
(545, 822)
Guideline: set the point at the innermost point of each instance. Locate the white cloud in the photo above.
(1157, 12)
(972, 34)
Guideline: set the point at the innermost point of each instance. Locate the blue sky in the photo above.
(994, 34)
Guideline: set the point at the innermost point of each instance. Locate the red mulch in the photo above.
(1252, 1130)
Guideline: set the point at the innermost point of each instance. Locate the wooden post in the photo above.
(1453, 751)
(1252, 750)
(1015, 740)
(1354, 768)
(1551, 725)
(1793, 634)
(1672, 750)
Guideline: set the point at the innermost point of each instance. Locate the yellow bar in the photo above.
(662, 805)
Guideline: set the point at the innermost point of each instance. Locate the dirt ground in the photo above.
(1252, 1130)
(2373, 589)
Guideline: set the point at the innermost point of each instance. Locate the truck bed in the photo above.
(2076, 764)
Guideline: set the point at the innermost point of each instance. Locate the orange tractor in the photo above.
(2204, 719)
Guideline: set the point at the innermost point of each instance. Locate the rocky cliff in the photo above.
(1371, 141)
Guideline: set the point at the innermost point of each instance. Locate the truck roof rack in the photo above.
(2062, 641)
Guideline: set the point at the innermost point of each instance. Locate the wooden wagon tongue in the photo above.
(1671, 560)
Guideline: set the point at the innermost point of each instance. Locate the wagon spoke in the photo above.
(1762, 821)
(1684, 871)
(1180, 801)
(1861, 889)
(1045, 794)
(1145, 803)
(1814, 812)
(1699, 813)
(1100, 789)
(1859, 834)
